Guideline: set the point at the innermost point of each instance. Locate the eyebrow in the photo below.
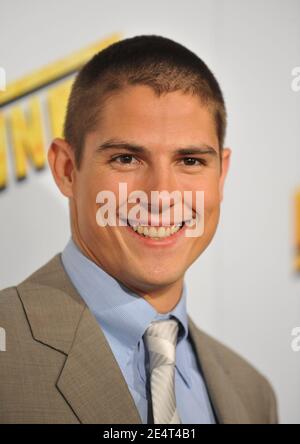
(202, 148)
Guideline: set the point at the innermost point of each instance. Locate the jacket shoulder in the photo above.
(9, 304)
(233, 362)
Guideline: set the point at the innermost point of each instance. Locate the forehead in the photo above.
(136, 112)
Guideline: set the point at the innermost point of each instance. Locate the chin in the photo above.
(160, 278)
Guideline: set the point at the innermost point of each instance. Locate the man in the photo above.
(100, 334)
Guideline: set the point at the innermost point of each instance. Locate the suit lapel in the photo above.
(226, 402)
(90, 380)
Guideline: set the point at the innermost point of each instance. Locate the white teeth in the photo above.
(156, 232)
(140, 230)
(152, 232)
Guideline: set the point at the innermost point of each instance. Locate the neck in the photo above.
(163, 299)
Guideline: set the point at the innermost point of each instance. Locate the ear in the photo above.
(62, 164)
(226, 156)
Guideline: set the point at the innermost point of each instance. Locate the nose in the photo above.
(160, 179)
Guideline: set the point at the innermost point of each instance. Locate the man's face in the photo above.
(159, 126)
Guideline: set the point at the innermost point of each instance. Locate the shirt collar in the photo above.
(123, 314)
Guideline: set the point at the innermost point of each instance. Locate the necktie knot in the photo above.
(166, 329)
(161, 339)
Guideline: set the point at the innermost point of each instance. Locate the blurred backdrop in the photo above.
(245, 288)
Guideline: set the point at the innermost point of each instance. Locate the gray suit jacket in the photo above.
(59, 368)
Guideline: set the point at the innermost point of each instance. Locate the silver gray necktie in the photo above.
(160, 339)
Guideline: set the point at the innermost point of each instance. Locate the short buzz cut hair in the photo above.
(152, 60)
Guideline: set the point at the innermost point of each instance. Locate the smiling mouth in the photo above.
(158, 232)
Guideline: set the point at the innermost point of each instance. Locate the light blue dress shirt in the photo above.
(124, 316)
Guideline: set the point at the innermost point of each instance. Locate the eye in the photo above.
(124, 159)
(193, 161)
